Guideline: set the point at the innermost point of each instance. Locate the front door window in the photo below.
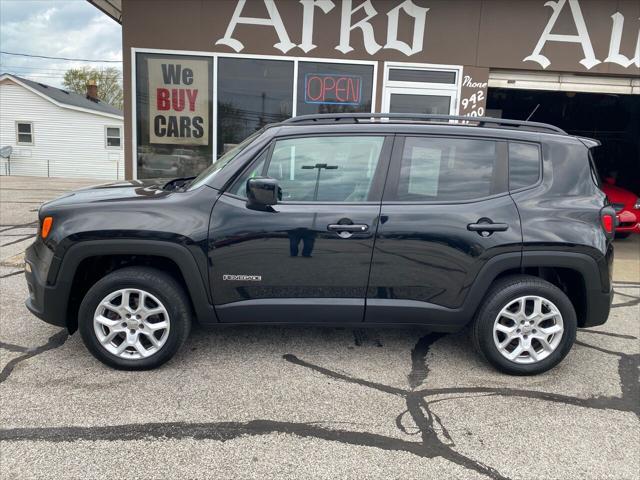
(325, 169)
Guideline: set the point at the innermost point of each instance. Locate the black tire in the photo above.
(501, 294)
(158, 284)
(623, 235)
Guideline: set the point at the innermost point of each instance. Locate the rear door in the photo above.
(446, 212)
(306, 259)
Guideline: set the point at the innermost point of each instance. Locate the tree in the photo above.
(107, 80)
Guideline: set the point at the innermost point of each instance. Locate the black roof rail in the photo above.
(421, 117)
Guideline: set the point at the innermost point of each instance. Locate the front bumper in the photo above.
(44, 301)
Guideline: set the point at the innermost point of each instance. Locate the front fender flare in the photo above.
(197, 289)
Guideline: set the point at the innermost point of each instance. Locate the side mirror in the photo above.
(262, 192)
(610, 181)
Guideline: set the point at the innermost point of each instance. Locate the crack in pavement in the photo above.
(427, 423)
(635, 300)
(419, 369)
(13, 347)
(6, 228)
(628, 368)
(56, 340)
(424, 418)
(22, 239)
(222, 431)
(435, 439)
(610, 334)
(7, 275)
(225, 431)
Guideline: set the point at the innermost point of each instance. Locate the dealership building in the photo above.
(202, 75)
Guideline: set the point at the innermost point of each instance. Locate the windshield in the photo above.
(220, 163)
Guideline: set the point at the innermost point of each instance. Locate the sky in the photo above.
(56, 28)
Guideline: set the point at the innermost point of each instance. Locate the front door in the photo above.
(446, 212)
(307, 258)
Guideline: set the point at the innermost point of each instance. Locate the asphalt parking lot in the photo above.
(275, 402)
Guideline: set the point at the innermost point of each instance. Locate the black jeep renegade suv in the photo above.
(352, 220)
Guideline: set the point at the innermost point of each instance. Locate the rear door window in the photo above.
(442, 169)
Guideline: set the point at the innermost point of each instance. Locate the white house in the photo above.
(56, 133)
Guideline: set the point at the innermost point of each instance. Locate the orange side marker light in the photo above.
(46, 226)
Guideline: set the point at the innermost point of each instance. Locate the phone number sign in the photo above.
(328, 89)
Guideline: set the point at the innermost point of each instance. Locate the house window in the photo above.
(113, 139)
(24, 133)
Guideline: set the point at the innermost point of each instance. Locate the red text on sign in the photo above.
(174, 99)
(332, 89)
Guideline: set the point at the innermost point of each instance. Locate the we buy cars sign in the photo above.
(178, 101)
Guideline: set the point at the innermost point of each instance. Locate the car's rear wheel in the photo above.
(526, 325)
(135, 318)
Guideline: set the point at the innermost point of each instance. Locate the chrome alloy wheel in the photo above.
(528, 329)
(131, 324)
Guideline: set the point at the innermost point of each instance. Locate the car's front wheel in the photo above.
(526, 325)
(135, 318)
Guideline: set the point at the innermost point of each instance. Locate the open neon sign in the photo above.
(330, 89)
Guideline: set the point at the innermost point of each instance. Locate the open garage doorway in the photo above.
(614, 119)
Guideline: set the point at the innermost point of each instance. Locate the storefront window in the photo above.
(251, 94)
(173, 110)
(334, 88)
(420, 103)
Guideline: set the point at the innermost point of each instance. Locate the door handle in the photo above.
(486, 227)
(336, 227)
(346, 231)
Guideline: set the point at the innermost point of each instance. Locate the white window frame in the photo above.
(107, 137)
(422, 88)
(31, 133)
(215, 56)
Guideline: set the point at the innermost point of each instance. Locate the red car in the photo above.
(627, 207)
